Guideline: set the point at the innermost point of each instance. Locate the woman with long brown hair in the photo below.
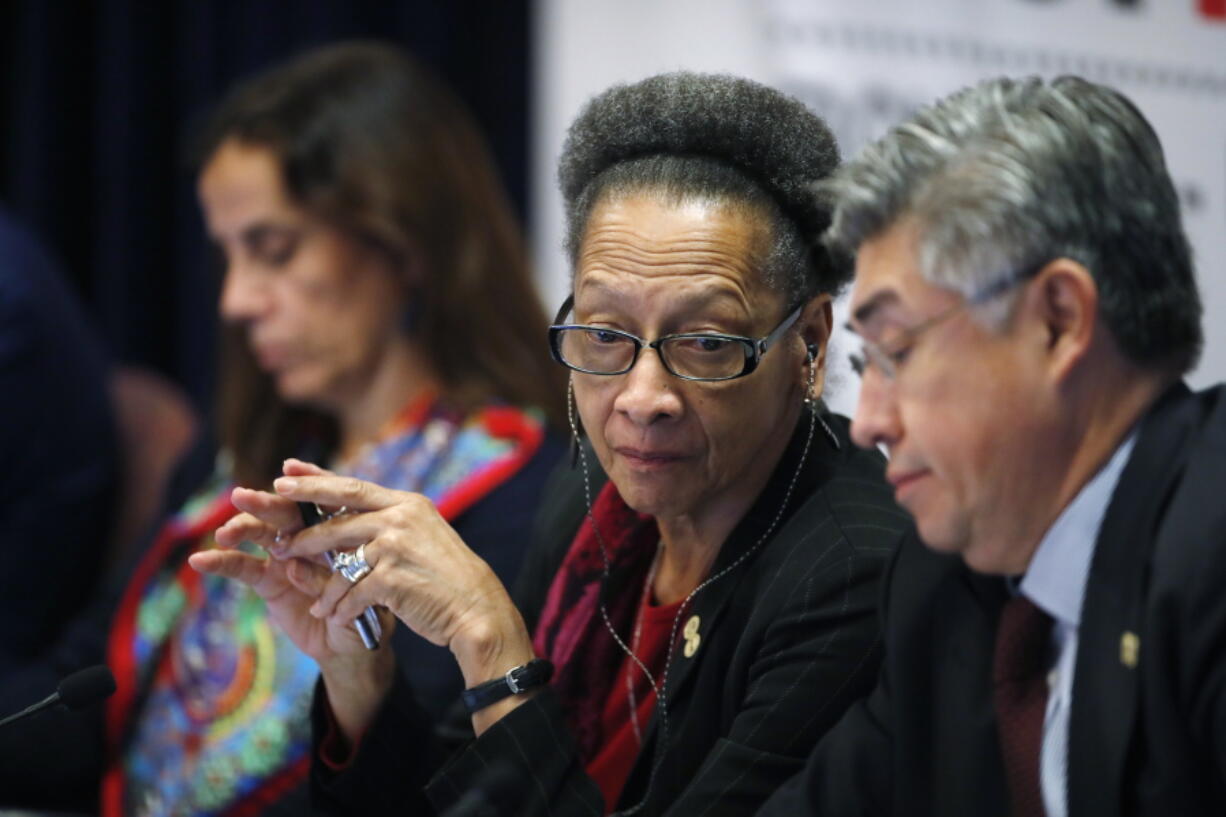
(379, 315)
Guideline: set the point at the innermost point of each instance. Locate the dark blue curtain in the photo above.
(98, 101)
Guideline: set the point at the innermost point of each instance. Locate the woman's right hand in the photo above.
(357, 679)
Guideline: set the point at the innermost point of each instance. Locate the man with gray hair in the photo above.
(1027, 307)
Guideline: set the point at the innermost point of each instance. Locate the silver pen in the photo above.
(367, 624)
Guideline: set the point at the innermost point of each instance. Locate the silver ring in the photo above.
(352, 564)
(341, 511)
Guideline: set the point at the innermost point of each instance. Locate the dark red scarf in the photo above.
(571, 632)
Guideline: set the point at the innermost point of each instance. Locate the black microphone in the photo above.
(77, 691)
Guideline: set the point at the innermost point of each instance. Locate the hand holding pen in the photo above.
(297, 588)
(291, 587)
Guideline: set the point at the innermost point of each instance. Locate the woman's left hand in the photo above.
(420, 569)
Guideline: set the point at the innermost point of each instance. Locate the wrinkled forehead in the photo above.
(686, 294)
(691, 249)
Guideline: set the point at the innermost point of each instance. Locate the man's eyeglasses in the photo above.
(887, 357)
(704, 356)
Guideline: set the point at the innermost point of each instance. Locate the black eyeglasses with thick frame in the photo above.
(754, 348)
(888, 357)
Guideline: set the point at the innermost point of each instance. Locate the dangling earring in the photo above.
(574, 424)
(812, 400)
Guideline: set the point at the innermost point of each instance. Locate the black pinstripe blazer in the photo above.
(789, 639)
(1147, 734)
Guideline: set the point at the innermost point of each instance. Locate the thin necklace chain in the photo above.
(661, 688)
(635, 639)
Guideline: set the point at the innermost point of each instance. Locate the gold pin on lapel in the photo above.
(1130, 649)
(692, 638)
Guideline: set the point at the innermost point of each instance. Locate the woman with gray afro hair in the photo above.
(714, 136)
(698, 605)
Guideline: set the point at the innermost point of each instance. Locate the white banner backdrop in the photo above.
(865, 64)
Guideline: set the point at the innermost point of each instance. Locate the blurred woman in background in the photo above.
(379, 316)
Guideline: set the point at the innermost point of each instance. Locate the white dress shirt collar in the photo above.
(1056, 578)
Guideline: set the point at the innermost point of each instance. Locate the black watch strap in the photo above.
(535, 673)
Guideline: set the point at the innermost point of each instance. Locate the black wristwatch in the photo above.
(535, 673)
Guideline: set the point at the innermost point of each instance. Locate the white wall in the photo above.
(584, 46)
(863, 65)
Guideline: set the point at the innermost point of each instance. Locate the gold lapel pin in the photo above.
(1130, 649)
(692, 638)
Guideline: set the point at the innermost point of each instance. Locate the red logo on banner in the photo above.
(1213, 8)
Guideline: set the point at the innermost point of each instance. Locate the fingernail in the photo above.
(285, 484)
(315, 611)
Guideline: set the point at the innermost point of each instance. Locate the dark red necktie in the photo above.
(1020, 693)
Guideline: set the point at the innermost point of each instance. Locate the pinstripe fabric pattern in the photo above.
(788, 641)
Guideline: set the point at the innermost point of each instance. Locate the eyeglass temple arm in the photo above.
(770, 340)
(566, 305)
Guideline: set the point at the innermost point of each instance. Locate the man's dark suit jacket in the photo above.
(1148, 726)
(789, 639)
